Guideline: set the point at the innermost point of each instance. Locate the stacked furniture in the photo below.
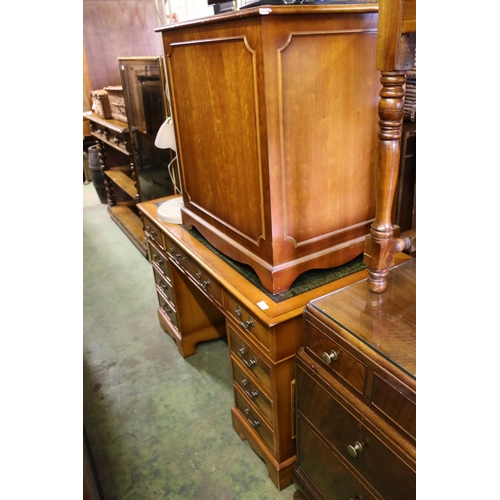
(356, 374)
(203, 295)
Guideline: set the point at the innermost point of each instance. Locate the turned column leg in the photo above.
(101, 152)
(380, 245)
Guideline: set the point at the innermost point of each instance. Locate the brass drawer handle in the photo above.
(249, 364)
(329, 357)
(176, 254)
(165, 307)
(157, 260)
(204, 284)
(354, 450)
(162, 285)
(150, 230)
(252, 394)
(253, 423)
(246, 324)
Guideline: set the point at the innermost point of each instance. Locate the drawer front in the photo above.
(253, 392)
(323, 468)
(154, 232)
(251, 360)
(358, 446)
(203, 280)
(168, 308)
(165, 285)
(397, 403)
(158, 259)
(257, 330)
(176, 254)
(255, 420)
(335, 358)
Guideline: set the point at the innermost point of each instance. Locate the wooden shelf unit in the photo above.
(120, 180)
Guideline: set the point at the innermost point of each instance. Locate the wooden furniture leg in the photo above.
(396, 42)
(380, 245)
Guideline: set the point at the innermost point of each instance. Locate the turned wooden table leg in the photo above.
(380, 245)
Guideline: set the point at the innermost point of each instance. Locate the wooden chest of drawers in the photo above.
(356, 393)
(201, 297)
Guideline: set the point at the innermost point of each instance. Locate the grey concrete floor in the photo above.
(159, 426)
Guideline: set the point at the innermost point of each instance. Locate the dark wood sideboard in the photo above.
(201, 296)
(356, 393)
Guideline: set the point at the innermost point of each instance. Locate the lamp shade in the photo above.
(165, 138)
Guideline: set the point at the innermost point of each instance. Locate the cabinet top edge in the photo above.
(268, 10)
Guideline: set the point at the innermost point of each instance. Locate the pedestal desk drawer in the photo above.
(203, 280)
(164, 284)
(345, 433)
(255, 420)
(252, 392)
(251, 360)
(154, 232)
(335, 358)
(158, 259)
(330, 476)
(168, 308)
(250, 325)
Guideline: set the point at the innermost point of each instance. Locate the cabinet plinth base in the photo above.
(279, 278)
(279, 473)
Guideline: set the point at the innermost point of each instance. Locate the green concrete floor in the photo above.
(159, 426)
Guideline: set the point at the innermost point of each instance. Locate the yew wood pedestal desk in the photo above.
(356, 393)
(202, 295)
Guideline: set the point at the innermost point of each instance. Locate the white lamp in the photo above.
(165, 138)
(169, 211)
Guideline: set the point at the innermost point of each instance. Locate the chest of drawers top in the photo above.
(382, 325)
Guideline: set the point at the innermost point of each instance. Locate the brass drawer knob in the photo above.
(354, 450)
(329, 357)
